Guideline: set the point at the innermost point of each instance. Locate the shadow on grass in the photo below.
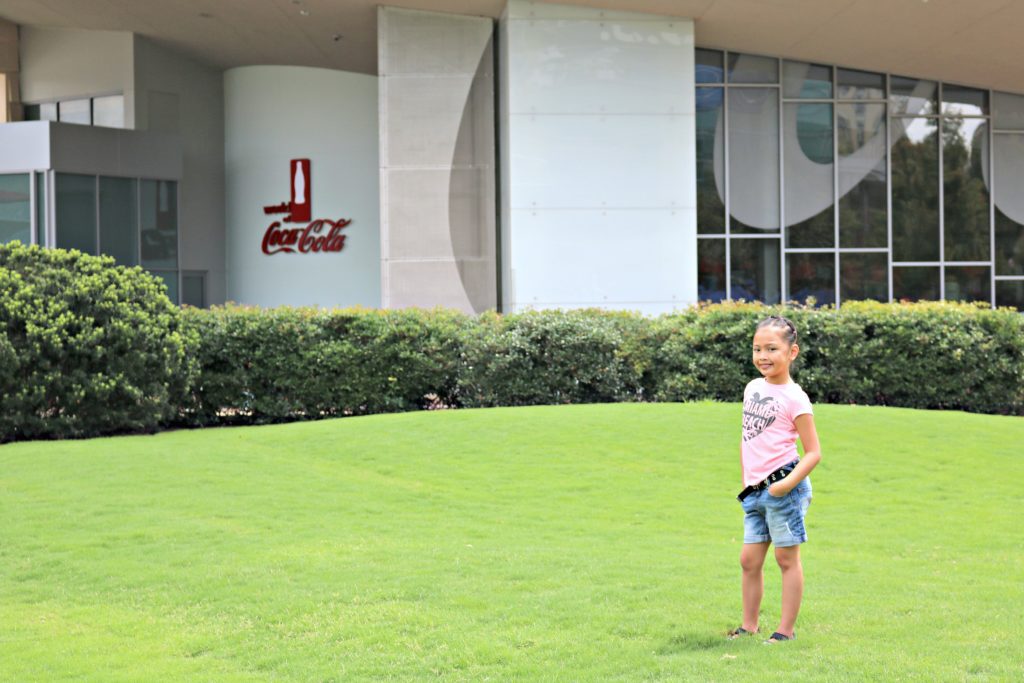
(692, 642)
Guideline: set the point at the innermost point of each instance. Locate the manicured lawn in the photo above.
(569, 543)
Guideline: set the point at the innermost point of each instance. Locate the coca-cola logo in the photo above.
(321, 235)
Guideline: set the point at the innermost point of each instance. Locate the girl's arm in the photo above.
(812, 456)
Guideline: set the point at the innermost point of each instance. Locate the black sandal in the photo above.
(778, 638)
(739, 632)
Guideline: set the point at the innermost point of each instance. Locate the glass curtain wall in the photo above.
(822, 184)
(16, 208)
(135, 221)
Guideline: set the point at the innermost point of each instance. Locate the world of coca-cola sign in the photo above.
(288, 235)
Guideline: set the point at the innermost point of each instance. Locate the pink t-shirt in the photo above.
(769, 432)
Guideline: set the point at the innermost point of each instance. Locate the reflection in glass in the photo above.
(16, 208)
(159, 222)
(860, 134)
(912, 97)
(754, 159)
(965, 195)
(859, 85)
(752, 69)
(863, 277)
(193, 290)
(76, 212)
(968, 283)
(108, 111)
(119, 220)
(48, 111)
(711, 270)
(915, 283)
(958, 100)
(75, 111)
(809, 177)
(710, 146)
(708, 66)
(755, 270)
(811, 276)
(806, 81)
(1010, 293)
(170, 278)
(1008, 170)
(915, 190)
(1007, 111)
(41, 209)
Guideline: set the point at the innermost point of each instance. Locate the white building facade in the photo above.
(542, 156)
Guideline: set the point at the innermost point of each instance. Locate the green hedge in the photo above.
(274, 365)
(86, 348)
(89, 348)
(285, 364)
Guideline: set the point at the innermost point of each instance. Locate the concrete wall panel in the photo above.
(438, 227)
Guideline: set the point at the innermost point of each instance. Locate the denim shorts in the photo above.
(779, 520)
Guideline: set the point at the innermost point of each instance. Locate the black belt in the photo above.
(777, 475)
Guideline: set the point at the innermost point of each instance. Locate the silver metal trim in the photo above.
(835, 187)
(33, 208)
(888, 180)
(726, 182)
(783, 235)
(992, 202)
(942, 201)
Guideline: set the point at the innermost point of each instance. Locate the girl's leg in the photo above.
(792, 586)
(752, 560)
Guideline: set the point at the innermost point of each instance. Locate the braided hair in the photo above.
(785, 325)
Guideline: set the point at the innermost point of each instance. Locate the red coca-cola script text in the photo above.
(320, 235)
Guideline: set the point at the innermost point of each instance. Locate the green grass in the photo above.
(569, 543)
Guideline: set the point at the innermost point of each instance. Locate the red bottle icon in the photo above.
(300, 203)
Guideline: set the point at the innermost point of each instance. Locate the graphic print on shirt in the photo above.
(758, 414)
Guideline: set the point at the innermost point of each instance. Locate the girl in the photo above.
(775, 412)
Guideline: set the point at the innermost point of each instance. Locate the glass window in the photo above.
(965, 193)
(709, 66)
(48, 111)
(75, 111)
(41, 209)
(1010, 293)
(960, 101)
(108, 111)
(1007, 111)
(1008, 171)
(752, 69)
(76, 212)
(193, 289)
(860, 131)
(710, 147)
(16, 208)
(915, 190)
(811, 276)
(809, 175)
(159, 223)
(711, 269)
(915, 283)
(755, 270)
(170, 279)
(859, 85)
(31, 112)
(912, 97)
(968, 283)
(806, 81)
(863, 277)
(754, 159)
(119, 220)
